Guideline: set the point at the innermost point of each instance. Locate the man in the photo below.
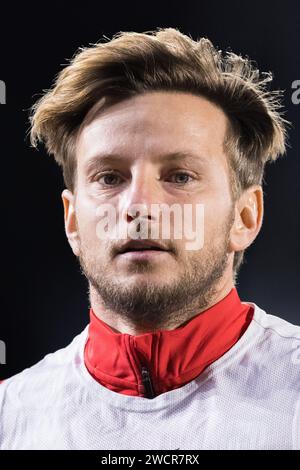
(171, 358)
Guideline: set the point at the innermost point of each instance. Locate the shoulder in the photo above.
(274, 355)
(276, 330)
(268, 357)
(29, 387)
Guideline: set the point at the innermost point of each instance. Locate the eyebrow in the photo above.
(114, 158)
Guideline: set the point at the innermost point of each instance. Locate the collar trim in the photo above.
(171, 358)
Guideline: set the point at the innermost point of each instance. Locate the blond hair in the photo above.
(165, 60)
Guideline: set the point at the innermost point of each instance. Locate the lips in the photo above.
(142, 245)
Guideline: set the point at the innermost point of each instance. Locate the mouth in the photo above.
(142, 247)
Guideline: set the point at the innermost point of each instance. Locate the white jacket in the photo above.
(247, 399)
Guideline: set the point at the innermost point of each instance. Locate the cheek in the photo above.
(86, 214)
(216, 217)
(96, 226)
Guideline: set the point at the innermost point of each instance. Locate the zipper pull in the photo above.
(146, 379)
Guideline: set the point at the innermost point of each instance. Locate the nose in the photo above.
(143, 191)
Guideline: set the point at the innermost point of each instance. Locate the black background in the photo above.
(44, 300)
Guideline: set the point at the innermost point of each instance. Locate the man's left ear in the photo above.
(248, 218)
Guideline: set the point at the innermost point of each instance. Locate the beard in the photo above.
(152, 305)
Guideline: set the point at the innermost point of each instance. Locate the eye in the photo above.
(108, 179)
(182, 177)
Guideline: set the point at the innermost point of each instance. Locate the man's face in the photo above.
(142, 136)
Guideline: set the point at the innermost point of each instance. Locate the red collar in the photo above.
(170, 358)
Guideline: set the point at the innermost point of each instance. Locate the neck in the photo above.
(119, 325)
(149, 364)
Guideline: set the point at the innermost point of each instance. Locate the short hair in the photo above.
(133, 63)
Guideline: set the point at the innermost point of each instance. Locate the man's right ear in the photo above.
(70, 220)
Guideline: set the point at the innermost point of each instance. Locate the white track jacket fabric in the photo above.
(247, 399)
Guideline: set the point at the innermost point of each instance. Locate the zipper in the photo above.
(146, 379)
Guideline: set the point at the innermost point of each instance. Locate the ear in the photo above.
(248, 218)
(70, 220)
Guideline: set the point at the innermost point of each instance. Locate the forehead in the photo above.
(153, 124)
